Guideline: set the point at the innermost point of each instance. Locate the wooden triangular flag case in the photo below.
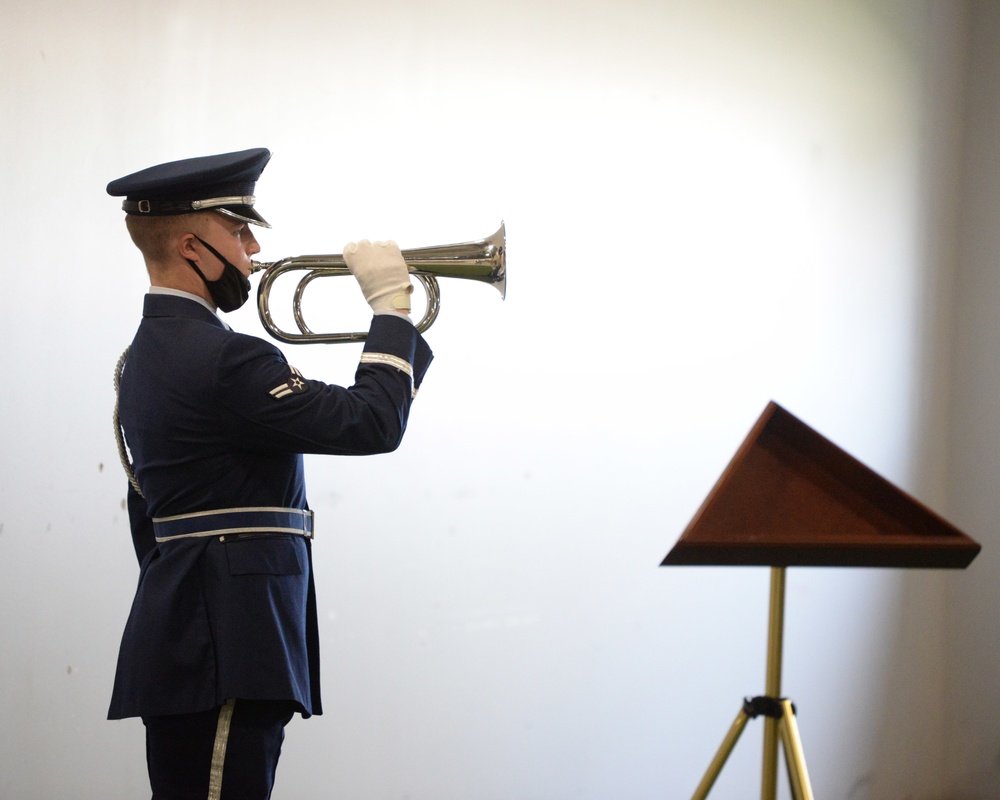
(790, 497)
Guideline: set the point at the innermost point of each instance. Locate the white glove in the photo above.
(382, 275)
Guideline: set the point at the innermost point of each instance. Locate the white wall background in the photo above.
(708, 205)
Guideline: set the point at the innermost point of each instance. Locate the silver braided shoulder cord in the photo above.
(119, 434)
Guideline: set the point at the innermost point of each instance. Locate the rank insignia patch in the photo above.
(295, 384)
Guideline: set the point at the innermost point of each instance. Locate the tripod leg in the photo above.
(712, 774)
(798, 775)
(769, 769)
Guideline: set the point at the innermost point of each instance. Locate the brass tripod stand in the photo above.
(779, 716)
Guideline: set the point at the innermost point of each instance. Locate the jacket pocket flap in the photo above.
(264, 555)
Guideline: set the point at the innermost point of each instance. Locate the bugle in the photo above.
(481, 260)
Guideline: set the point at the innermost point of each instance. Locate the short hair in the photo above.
(154, 236)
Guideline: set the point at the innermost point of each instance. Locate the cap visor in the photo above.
(244, 213)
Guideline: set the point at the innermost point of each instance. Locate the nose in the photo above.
(253, 247)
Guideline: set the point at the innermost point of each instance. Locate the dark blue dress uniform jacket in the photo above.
(215, 419)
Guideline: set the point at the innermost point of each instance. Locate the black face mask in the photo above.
(231, 289)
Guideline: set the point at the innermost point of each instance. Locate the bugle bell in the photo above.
(481, 260)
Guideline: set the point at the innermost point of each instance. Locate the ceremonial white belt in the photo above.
(234, 522)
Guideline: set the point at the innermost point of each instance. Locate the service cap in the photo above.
(223, 182)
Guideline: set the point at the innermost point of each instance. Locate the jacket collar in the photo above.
(168, 305)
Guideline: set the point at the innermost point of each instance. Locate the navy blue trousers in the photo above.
(223, 754)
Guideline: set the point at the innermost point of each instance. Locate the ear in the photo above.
(187, 247)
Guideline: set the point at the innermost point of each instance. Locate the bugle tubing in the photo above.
(482, 260)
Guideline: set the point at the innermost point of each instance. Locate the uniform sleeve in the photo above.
(268, 405)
